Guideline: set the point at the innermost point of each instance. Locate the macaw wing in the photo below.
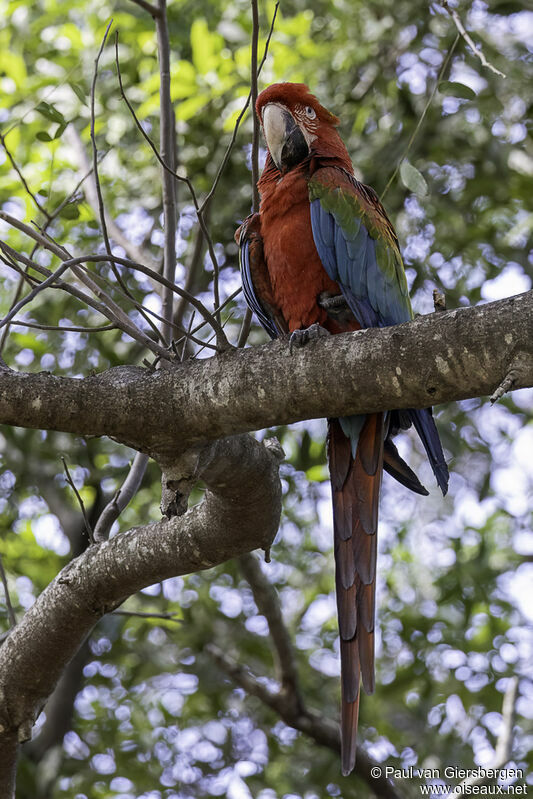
(255, 280)
(358, 248)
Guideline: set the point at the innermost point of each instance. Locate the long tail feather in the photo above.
(355, 482)
(427, 430)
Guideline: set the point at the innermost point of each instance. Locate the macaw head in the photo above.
(296, 126)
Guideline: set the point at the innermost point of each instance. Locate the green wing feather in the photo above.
(358, 248)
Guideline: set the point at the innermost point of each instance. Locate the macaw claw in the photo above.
(299, 338)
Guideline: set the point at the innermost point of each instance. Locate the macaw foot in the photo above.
(299, 338)
(335, 306)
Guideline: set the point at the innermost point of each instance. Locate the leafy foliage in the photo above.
(154, 717)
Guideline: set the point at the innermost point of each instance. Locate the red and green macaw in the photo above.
(322, 250)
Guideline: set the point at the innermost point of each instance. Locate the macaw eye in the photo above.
(310, 112)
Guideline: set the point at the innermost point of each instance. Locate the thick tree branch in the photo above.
(450, 355)
(240, 512)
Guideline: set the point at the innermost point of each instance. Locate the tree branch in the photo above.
(450, 355)
(166, 146)
(122, 497)
(133, 251)
(240, 512)
(468, 39)
(323, 731)
(267, 601)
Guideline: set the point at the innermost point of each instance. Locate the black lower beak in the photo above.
(295, 148)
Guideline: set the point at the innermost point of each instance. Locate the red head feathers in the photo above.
(296, 127)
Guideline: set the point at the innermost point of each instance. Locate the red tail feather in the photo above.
(355, 484)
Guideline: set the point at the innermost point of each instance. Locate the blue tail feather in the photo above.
(427, 430)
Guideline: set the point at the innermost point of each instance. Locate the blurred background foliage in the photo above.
(153, 717)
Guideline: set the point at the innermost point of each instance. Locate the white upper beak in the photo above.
(275, 128)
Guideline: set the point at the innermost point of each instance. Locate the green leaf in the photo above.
(50, 112)
(412, 179)
(457, 90)
(70, 211)
(60, 130)
(80, 92)
(42, 135)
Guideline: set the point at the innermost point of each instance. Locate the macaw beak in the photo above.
(284, 137)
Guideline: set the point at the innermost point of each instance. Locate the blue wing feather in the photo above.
(249, 292)
(373, 285)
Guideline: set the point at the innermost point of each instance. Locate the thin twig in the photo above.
(504, 744)
(153, 10)
(108, 307)
(247, 320)
(229, 148)
(175, 617)
(84, 298)
(71, 483)
(245, 328)
(468, 39)
(267, 601)
(122, 497)
(18, 292)
(95, 151)
(253, 87)
(166, 148)
(64, 328)
(35, 291)
(44, 241)
(422, 116)
(194, 266)
(9, 606)
(21, 176)
(319, 729)
(222, 342)
(137, 253)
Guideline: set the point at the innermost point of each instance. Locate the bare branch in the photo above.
(267, 601)
(194, 267)
(243, 482)
(222, 342)
(86, 299)
(504, 745)
(255, 121)
(18, 292)
(322, 731)
(108, 307)
(227, 154)
(414, 134)
(21, 176)
(468, 39)
(436, 358)
(133, 251)
(95, 151)
(122, 498)
(64, 328)
(9, 606)
(153, 10)
(72, 484)
(175, 617)
(35, 291)
(245, 328)
(166, 146)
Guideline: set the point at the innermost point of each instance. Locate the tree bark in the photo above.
(444, 356)
(240, 512)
